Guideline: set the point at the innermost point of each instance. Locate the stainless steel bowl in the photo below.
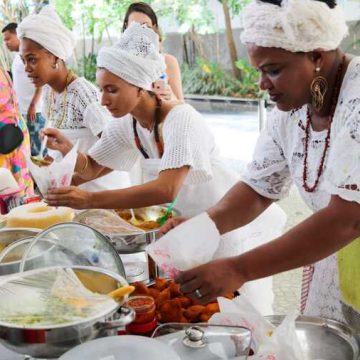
(134, 243)
(11, 257)
(322, 338)
(52, 341)
(9, 236)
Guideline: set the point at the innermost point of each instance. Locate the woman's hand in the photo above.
(56, 140)
(216, 278)
(163, 91)
(69, 196)
(171, 224)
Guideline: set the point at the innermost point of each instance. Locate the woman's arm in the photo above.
(319, 236)
(161, 190)
(174, 76)
(240, 205)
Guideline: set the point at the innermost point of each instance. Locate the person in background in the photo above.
(15, 160)
(70, 103)
(28, 96)
(311, 139)
(169, 85)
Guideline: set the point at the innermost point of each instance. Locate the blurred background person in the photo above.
(28, 96)
(169, 86)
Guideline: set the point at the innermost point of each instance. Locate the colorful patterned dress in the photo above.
(9, 114)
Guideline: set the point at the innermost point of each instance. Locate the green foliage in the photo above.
(87, 67)
(209, 79)
(236, 6)
(249, 76)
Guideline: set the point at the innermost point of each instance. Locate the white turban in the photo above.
(135, 58)
(47, 30)
(296, 25)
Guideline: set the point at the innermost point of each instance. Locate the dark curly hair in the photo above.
(330, 3)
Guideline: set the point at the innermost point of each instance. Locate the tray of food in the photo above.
(173, 306)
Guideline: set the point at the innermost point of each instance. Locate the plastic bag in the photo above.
(107, 222)
(57, 174)
(183, 248)
(268, 342)
(50, 297)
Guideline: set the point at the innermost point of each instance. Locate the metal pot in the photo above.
(10, 263)
(322, 338)
(9, 236)
(52, 341)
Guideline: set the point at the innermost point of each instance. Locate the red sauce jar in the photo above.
(145, 319)
(144, 307)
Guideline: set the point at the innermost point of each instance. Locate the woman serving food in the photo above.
(178, 153)
(311, 139)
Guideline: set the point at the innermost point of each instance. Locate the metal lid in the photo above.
(204, 341)
(122, 347)
(72, 244)
(323, 339)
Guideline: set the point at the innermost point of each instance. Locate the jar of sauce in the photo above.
(145, 319)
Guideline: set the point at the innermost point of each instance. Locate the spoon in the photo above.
(162, 219)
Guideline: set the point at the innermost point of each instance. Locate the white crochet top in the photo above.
(82, 107)
(188, 141)
(278, 162)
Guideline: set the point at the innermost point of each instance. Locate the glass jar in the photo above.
(145, 319)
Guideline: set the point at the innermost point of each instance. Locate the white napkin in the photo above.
(57, 174)
(190, 244)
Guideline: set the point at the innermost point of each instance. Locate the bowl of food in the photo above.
(65, 306)
(128, 236)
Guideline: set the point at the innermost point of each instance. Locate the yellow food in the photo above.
(40, 162)
(38, 215)
(122, 291)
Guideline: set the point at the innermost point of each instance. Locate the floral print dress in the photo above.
(9, 114)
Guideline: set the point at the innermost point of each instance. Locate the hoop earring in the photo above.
(318, 89)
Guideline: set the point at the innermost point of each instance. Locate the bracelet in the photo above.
(85, 166)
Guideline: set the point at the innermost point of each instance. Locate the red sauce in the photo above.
(144, 307)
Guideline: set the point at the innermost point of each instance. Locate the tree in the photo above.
(234, 7)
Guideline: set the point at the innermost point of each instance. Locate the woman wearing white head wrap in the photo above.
(312, 139)
(70, 103)
(177, 150)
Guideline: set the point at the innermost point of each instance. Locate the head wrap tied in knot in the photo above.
(47, 30)
(296, 25)
(135, 58)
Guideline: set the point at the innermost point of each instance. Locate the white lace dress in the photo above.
(278, 162)
(80, 116)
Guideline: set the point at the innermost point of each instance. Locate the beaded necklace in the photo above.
(159, 145)
(320, 169)
(50, 102)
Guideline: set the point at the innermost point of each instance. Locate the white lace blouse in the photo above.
(278, 161)
(188, 141)
(77, 109)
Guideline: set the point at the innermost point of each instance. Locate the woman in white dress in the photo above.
(70, 103)
(312, 139)
(179, 157)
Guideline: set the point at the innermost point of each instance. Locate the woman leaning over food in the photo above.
(178, 154)
(70, 103)
(312, 139)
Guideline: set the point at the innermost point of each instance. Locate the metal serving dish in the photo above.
(133, 243)
(9, 236)
(323, 339)
(10, 259)
(53, 341)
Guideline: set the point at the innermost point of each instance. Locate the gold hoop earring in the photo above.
(318, 89)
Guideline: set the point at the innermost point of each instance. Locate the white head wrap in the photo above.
(135, 58)
(296, 25)
(47, 30)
